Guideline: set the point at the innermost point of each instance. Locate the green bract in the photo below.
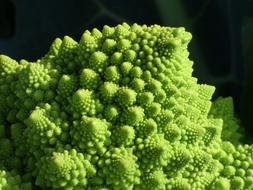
(119, 110)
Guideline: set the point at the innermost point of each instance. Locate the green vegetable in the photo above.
(119, 110)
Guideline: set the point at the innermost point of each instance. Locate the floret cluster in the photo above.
(120, 110)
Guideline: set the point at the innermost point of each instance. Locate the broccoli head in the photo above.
(118, 110)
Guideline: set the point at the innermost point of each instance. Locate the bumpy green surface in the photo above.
(119, 110)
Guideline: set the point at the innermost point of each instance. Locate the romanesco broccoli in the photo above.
(120, 110)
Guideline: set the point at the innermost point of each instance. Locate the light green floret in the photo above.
(112, 74)
(129, 55)
(145, 98)
(193, 135)
(121, 31)
(126, 96)
(8, 75)
(8, 67)
(138, 84)
(166, 43)
(153, 180)
(111, 112)
(123, 135)
(123, 45)
(91, 135)
(87, 45)
(41, 130)
(108, 31)
(133, 115)
(199, 162)
(36, 82)
(136, 72)
(89, 79)
(153, 109)
(67, 55)
(108, 91)
(154, 86)
(54, 49)
(125, 68)
(116, 58)
(66, 86)
(146, 128)
(84, 102)
(65, 170)
(160, 96)
(98, 61)
(120, 169)
(109, 45)
(172, 132)
(163, 118)
(97, 34)
(179, 160)
(153, 151)
(213, 131)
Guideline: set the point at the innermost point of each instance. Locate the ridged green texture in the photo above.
(118, 110)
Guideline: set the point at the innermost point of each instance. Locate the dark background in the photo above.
(222, 45)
